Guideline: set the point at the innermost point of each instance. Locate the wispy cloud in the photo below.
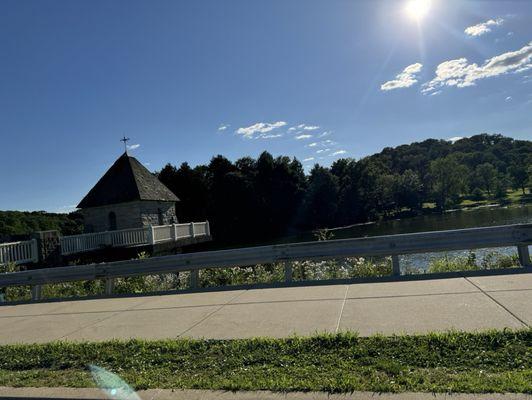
(260, 130)
(404, 79)
(133, 146)
(323, 143)
(300, 137)
(337, 153)
(308, 159)
(508, 98)
(323, 134)
(483, 27)
(322, 151)
(461, 73)
(223, 127)
(303, 127)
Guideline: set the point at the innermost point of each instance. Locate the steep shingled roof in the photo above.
(126, 180)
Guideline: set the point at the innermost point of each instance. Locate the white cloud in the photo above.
(337, 153)
(314, 144)
(308, 159)
(483, 27)
(303, 127)
(460, 73)
(223, 127)
(322, 151)
(509, 98)
(66, 209)
(260, 130)
(455, 139)
(269, 136)
(299, 137)
(133, 146)
(404, 79)
(323, 134)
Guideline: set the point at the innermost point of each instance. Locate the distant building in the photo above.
(127, 196)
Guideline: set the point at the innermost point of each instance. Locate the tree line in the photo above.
(254, 199)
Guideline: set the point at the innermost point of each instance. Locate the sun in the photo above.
(417, 9)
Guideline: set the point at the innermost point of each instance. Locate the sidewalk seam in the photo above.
(497, 302)
(113, 313)
(212, 313)
(341, 310)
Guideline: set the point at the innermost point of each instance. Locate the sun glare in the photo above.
(417, 9)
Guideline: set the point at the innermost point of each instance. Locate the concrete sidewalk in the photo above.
(468, 304)
(158, 394)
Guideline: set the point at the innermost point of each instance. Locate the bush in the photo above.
(491, 260)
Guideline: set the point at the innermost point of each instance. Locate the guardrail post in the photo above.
(194, 278)
(192, 233)
(207, 228)
(287, 271)
(524, 255)
(36, 292)
(396, 268)
(109, 286)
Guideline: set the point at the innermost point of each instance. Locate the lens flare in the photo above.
(417, 9)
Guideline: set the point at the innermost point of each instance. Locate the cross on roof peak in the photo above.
(125, 140)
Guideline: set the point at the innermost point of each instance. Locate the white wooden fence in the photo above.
(19, 252)
(133, 237)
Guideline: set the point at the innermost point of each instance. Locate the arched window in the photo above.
(160, 216)
(112, 221)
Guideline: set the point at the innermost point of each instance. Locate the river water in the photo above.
(478, 217)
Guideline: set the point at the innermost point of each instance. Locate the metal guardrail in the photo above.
(19, 252)
(394, 245)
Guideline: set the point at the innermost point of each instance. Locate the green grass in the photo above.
(495, 361)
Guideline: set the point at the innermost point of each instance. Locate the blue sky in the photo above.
(186, 80)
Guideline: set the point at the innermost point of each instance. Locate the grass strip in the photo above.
(493, 361)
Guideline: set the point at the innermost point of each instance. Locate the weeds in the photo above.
(495, 361)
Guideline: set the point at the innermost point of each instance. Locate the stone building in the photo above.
(127, 196)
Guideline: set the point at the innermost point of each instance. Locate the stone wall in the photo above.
(48, 248)
(134, 214)
(157, 213)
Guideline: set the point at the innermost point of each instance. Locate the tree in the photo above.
(519, 174)
(486, 175)
(320, 202)
(408, 190)
(448, 180)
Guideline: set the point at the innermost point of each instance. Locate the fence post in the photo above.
(151, 235)
(36, 292)
(192, 233)
(107, 240)
(194, 278)
(35, 250)
(524, 255)
(109, 286)
(207, 228)
(396, 269)
(287, 271)
(174, 232)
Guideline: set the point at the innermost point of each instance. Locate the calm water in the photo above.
(486, 216)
